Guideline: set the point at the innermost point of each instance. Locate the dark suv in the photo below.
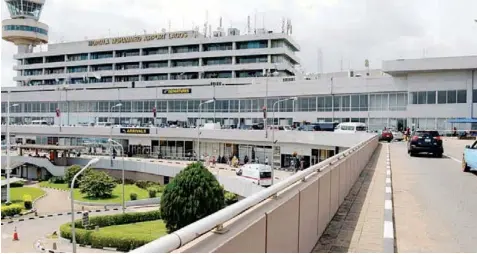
(425, 142)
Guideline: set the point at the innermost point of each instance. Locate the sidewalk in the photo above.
(358, 224)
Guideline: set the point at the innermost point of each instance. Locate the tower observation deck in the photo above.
(23, 27)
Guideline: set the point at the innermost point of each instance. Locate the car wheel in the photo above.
(465, 167)
(389, 141)
(438, 155)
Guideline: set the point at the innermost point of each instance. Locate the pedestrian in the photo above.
(266, 160)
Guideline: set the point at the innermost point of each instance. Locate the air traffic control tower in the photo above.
(23, 27)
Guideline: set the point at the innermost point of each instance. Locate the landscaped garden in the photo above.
(21, 199)
(98, 186)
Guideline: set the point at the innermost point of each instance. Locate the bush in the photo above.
(27, 202)
(97, 184)
(144, 184)
(11, 210)
(128, 181)
(101, 239)
(133, 196)
(230, 198)
(152, 192)
(72, 171)
(193, 194)
(57, 179)
(17, 184)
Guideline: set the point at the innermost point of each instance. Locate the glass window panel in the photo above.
(431, 97)
(442, 97)
(345, 100)
(321, 104)
(474, 96)
(451, 96)
(461, 96)
(337, 103)
(354, 102)
(312, 104)
(363, 102)
(421, 97)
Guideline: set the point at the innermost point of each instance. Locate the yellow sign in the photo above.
(139, 38)
(134, 131)
(176, 91)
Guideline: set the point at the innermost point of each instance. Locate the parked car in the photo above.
(385, 136)
(398, 135)
(423, 141)
(469, 160)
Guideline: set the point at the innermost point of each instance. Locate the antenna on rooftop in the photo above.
(283, 25)
(255, 22)
(169, 25)
(248, 24)
(220, 23)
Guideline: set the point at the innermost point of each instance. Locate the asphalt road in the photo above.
(30, 232)
(435, 203)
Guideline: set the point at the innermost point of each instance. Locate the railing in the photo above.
(216, 221)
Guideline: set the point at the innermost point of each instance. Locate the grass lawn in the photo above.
(147, 229)
(116, 197)
(17, 194)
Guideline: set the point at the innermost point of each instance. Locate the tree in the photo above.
(72, 171)
(97, 184)
(193, 194)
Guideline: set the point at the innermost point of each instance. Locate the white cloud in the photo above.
(350, 29)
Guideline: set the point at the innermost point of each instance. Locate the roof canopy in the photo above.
(49, 147)
(463, 120)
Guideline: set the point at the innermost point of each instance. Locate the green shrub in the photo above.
(102, 239)
(17, 184)
(11, 210)
(27, 202)
(193, 194)
(143, 184)
(128, 181)
(230, 198)
(57, 179)
(152, 192)
(72, 171)
(97, 184)
(133, 196)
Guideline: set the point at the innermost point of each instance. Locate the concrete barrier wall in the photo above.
(295, 220)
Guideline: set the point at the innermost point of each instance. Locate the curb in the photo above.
(388, 234)
(55, 214)
(40, 247)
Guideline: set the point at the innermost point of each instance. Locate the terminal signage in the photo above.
(139, 38)
(134, 130)
(177, 91)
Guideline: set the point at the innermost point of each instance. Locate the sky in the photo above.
(346, 32)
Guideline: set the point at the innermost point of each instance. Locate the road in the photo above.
(31, 231)
(435, 203)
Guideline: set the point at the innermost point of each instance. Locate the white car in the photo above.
(397, 135)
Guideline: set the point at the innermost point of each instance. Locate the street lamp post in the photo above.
(73, 237)
(273, 134)
(122, 154)
(198, 128)
(8, 145)
(112, 124)
(268, 73)
(60, 89)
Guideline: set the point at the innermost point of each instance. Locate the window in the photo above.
(355, 103)
(474, 96)
(431, 97)
(451, 96)
(413, 99)
(442, 97)
(421, 98)
(25, 28)
(461, 96)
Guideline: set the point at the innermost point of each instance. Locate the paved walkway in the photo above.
(358, 224)
(57, 201)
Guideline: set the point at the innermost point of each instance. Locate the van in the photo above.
(39, 122)
(104, 124)
(257, 173)
(350, 127)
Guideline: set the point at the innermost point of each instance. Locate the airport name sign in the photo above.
(138, 38)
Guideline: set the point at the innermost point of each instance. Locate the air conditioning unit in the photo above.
(261, 31)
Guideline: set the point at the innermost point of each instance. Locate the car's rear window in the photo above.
(427, 133)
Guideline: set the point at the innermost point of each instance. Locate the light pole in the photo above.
(112, 124)
(73, 238)
(122, 154)
(60, 89)
(268, 73)
(8, 145)
(273, 134)
(198, 128)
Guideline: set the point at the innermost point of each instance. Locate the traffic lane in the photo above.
(454, 148)
(30, 231)
(435, 204)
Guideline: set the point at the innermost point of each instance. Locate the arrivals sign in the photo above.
(134, 130)
(139, 38)
(177, 91)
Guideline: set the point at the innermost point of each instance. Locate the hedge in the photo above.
(98, 239)
(17, 184)
(11, 210)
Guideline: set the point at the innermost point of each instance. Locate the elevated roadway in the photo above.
(435, 203)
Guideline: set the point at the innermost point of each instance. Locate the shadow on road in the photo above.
(337, 236)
